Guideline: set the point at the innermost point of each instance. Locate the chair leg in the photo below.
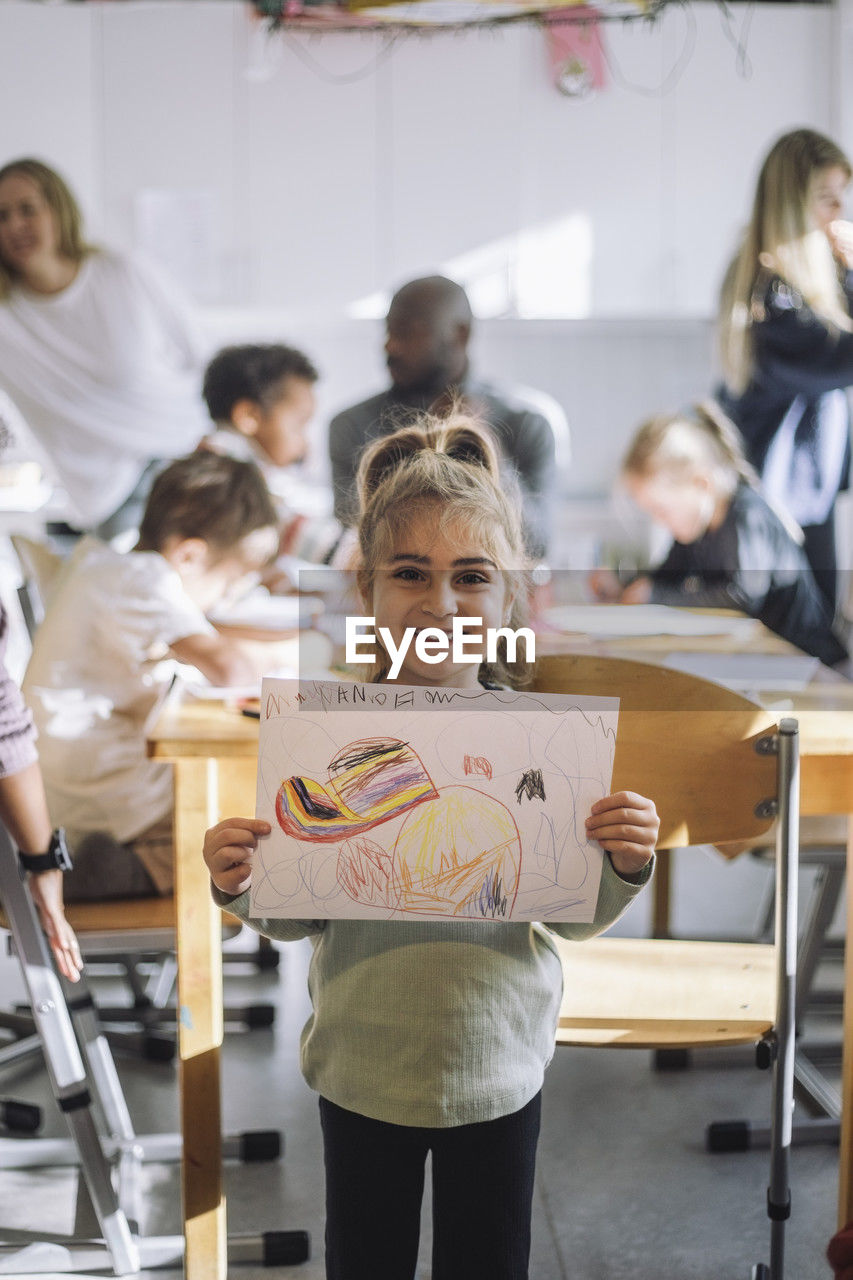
(68, 1078)
(745, 1135)
(787, 865)
(77, 1086)
(822, 907)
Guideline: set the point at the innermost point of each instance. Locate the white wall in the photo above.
(335, 167)
(342, 164)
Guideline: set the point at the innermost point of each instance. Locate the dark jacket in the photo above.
(524, 434)
(752, 563)
(797, 358)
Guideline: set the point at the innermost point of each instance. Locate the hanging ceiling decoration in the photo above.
(443, 15)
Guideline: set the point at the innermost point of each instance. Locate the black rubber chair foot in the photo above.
(760, 1272)
(261, 1144)
(258, 1015)
(728, 1135)
(671, 1059)
(286, 1248)
(21, 1117)
(159, 1048)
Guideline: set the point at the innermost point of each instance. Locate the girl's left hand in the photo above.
(627, 826)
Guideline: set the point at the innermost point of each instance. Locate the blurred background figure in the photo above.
(428, 329)
(786, 338)
(731, 550)
(97, 350)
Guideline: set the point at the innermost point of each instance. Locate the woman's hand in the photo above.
(840, 235)
(46, 891)
(627, 826)
(228, 849)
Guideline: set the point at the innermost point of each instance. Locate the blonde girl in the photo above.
(731, 548)
(786, 337)
(433, 1037)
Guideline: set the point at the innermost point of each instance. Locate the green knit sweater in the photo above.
(434, 1023)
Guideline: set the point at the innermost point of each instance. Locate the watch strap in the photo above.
(56, 856)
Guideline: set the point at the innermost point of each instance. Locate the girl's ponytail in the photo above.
(457, 437)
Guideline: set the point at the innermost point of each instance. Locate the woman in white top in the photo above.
(96, 350)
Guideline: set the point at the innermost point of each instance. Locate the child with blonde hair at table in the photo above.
(731, 548)
(433, 1036)
(105, 655)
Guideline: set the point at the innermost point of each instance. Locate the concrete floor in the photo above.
(624, 1186)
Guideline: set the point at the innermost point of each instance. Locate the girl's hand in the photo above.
(228, 849)
(627, 826)
(46, 892)
(840, 235)
(637, 592)
(604, 585)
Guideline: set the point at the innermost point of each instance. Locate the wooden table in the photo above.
(214, 752)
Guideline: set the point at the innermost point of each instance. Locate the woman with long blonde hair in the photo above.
(98, 352)
(786, 337)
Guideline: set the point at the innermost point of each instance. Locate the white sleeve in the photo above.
(177, 321)
(153, 610)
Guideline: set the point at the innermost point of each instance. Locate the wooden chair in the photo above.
(719, 769)
(40, 567)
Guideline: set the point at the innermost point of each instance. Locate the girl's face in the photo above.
(685, 505)
(28, 231)
(433, 576)
(826, 195)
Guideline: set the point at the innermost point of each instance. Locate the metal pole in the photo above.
(787, 858)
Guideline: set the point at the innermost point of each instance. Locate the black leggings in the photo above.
(482, 1181)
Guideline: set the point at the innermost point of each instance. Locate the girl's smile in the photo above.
(434, 576)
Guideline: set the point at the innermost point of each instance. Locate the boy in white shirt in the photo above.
(103, 660)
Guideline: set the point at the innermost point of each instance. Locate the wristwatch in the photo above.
(57, 856)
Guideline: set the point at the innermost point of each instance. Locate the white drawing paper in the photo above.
(394, 802)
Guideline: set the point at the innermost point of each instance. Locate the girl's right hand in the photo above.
(228, 849)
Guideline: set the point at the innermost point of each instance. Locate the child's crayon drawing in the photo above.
(394, 802)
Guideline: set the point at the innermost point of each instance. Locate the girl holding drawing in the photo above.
(731, 549)
(434, 1036)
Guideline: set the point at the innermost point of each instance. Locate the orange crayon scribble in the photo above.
(478, 764)
(366, 873)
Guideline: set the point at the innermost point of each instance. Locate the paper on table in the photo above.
(744, 671)
(197, 686)
(603, 620)
(269, 613)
